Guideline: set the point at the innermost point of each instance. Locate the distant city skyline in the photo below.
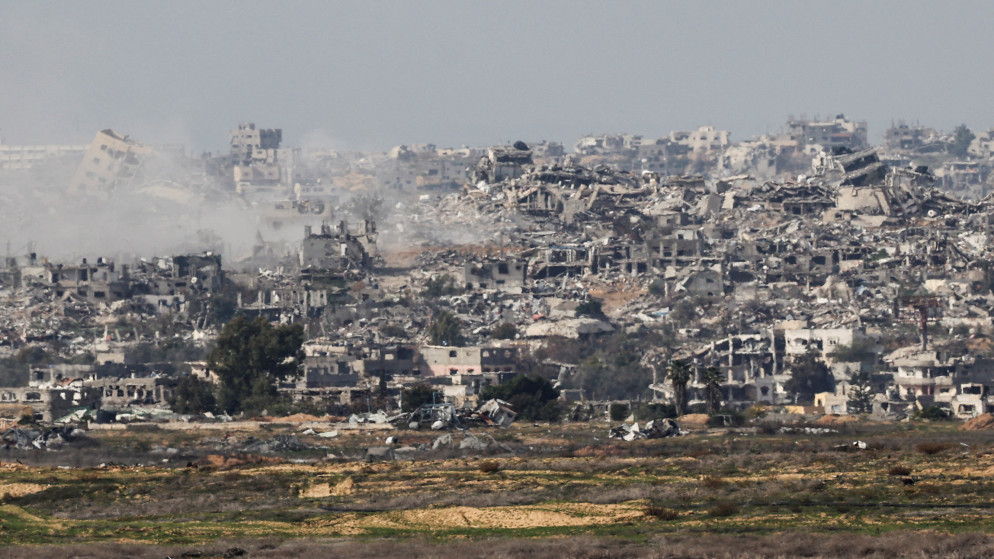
(371, 75)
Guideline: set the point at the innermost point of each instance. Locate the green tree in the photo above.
(35, 355)
(809, 376)
(860, 393)
(962, 138)
(712, 377)
(417, 396)
(532, 397)
(934, 412)
(393, 331)
(859, 350)
(250, 357)
(618, 411)
(193, 395)
(438, 286)
(679, 374)
(590, 307)
(446, 329)
(504, 331)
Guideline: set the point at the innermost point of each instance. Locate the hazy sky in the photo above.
(369, 75)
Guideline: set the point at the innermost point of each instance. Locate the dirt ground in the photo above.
(536, 493)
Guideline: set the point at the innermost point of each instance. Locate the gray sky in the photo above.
(370, 75)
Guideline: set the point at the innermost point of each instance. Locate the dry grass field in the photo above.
(543, 491)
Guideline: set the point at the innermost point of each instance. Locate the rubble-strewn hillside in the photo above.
(802, 269)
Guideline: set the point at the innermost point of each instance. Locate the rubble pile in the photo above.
(737, 259)
(50, 438)
(655, 429)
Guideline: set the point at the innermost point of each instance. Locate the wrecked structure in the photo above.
(339, 250)
(258, 164)
(739, 256)
(111, 161)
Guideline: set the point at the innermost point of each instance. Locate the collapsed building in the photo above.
(339, 250)
(111, 161)
(747, 255)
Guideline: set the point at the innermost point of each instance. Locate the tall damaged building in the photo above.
(258, 163)
(339, 250)
(111, 161)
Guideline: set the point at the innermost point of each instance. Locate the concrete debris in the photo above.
(737, 258)
(279, 443)
(855, 445)
(495, 412)
(471, 442)
(655, 429)
(809, 430)
(441, 441)
(380, 453)
(378, 417)
(51, 438)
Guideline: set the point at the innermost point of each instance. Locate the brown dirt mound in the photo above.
(836, 419)
(319, 490)
(693, 419)
(529, 516)
(298, 418)
(20, 489)
(224, 462)
(979, 423)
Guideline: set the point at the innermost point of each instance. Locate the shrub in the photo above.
(590, 307)
(504, 331)
(661, 513)
(489, 466)
(419, 395)
(756, 411)
(723, 509)
(899, 471)
(932, 447)
(656, 410)
(439, 286)
(712, 482)
(393, 331)
(931, 413)
(28, 417)
(534, 398)
(618, 411)
(658, 287)
(698, 452)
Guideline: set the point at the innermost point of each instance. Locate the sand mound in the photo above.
(981, 422)
(535, 516)
(20, 489)
(298, 418)
(221, 461)
(319, 490)
(836, 419)
(693, 419)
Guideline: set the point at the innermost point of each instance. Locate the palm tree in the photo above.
(679, 374)
(712, 377)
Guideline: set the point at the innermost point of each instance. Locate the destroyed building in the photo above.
(507, 275)
(741, 256)
(258, 164)
(829, 134)
(111, 161)
(339, 250)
